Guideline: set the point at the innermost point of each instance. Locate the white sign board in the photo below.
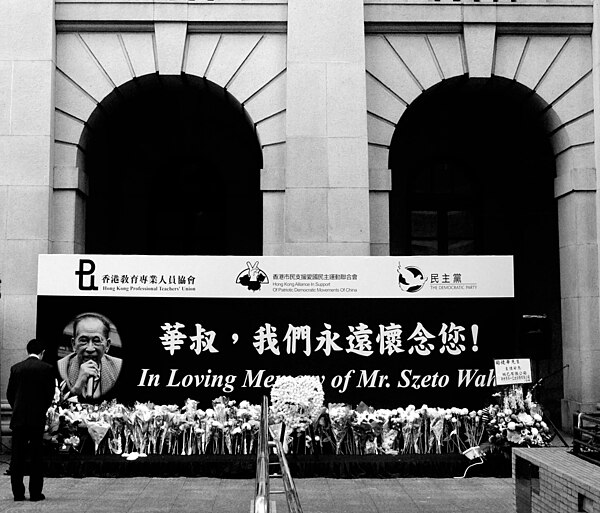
(276, 277)
(512, 371)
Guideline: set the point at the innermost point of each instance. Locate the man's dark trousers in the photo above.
(26, 441)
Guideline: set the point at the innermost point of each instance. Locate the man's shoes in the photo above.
(20, 498)
(36, 498)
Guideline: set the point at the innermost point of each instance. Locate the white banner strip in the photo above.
(274, 276)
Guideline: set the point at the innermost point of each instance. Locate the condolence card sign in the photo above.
(384, 330)
(512, 371)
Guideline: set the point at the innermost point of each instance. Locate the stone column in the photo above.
(326, 179)
(578, 252)
(27, 49)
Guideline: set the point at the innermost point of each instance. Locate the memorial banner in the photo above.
(384, 330)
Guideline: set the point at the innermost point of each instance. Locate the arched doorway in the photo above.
(473, 173)
(174, 168)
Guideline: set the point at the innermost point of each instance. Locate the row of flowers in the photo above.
(300, 419)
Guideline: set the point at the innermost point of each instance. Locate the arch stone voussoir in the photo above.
(545, 64)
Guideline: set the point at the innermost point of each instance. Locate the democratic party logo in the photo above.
(252, 277)
(410, 278)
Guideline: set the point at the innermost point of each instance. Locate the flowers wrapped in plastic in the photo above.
(298, 416)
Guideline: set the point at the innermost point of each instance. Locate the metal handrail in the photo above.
(586, 437)
(291, 494)
(262, 501)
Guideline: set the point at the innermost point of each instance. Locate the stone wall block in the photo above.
(587, 270)
(63, 222)
(416, 54)
(576, 101)
(306, 217)
(28, 211)
(570, 324)
(76, 61)
(348, 213)
(382, 102)
(230, 53)
(538, 56)
(109, 51)
(170, 43)
(585, 205)
(348, 248)
(589, 372)
(379, 215)
(31, 108)
(573, 62)
(479, 48)
(386, 66)
(307, 99)
(509, 50)
(380, 132)
(378, 249)
(274, 156)
(272, 130)
(448, 53)
(270, 249)
(379, 156)
(266, 62)
(346, 100)
(307, 162)
(267, 101)
(273, 215)
(72, 99)
(26, 30)
(347, 159)
(575, 157)
(3, 220)
(329, 41)
(199, 50)
(68, 129)
(66, 154)
(307, 249)
(20, 267)
(25, 160)
(588, 326)
(6, 93)
(579, 132)
(569, 274)
(140, 52)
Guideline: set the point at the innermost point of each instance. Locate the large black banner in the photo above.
(385, 351)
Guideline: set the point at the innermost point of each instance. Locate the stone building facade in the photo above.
(344, 107)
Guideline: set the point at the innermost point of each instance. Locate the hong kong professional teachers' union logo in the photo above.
(252, 277)
(410, 278)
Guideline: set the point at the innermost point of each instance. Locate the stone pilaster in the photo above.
(27, 49)
(326, 179)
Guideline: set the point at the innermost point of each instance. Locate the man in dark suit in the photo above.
(30, 391)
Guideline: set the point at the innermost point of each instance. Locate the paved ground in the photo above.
(207, 495)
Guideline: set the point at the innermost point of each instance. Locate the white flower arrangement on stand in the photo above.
(295, 403)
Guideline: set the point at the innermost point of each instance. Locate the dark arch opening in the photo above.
(473, 173)
(173, 164)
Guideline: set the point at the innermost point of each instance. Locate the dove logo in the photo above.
(252, 277)
(410, 278)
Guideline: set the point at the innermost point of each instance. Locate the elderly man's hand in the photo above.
(88, 369)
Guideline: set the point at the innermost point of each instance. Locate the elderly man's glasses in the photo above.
(97, 342)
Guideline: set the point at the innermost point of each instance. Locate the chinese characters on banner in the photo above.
(373, 329)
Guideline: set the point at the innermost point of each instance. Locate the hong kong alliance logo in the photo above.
(252, 277)
(410, 278)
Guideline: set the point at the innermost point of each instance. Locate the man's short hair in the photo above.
(105, 322)
(34, 346)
